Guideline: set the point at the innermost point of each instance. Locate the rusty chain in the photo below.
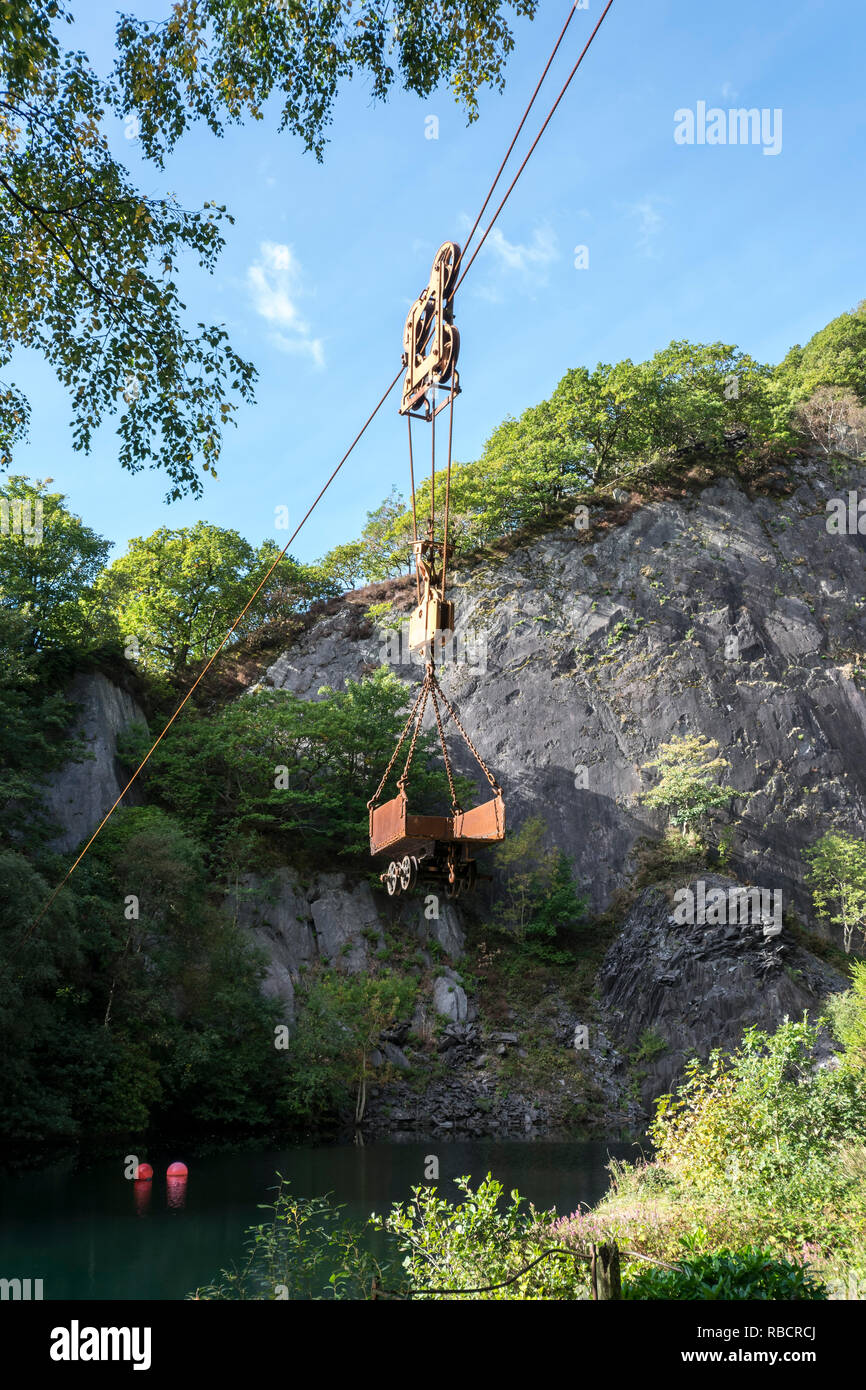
(429, 687)
(477, 756)
(455, 804)
(406, 727)
(404, 776)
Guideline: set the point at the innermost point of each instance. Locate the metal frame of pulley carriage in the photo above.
(452, 392)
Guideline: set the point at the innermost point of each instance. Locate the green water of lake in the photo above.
(88, 1232)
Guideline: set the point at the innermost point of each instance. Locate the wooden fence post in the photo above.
(606, 1271)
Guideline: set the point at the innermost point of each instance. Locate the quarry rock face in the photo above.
(333, 920)
(716, 613)
(672, 990)
(81, 793)
(449, 998)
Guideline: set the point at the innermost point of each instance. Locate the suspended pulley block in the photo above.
(432, 620)
(431, 343)
(438, 849)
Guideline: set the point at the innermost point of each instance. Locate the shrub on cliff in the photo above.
(837, 872)
(848, 1015)
(687, 787)
(541, 907)
(759, 1116)
(330, 1054)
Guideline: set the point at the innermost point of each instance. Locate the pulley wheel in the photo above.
(391, 879)
(448, 251)
(451, 341)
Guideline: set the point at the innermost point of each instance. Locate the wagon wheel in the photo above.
(405, 873)
(413, 878)
(391, 878)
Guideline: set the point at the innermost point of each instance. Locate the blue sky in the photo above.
(695, 241)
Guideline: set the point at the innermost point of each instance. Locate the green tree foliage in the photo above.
(424, 1245)
(49, 564)
(89, 265)
(121, 1014)
(50, 1053)
(687, 788)
(835, 356)
(837, 872)
(192, 979)
(478, 1241)
(541, 905)
(700, 391)
(34, 735)
(595, 429)
(134, 1001)
(343, 567)
(599, 426)
(179, 591)
(308, 1250)
(297, 772)
(387, 538)
(90, 260)
(212, 60)
(337, 1031)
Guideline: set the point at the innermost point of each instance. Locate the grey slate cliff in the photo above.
(81, 793)
(332, 920)
(717, 612)
(741, 618)
(696, 987)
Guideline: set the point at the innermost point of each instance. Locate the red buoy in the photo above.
(177, 1170)
(145, 1172)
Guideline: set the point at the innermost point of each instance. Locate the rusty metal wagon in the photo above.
(438, 849)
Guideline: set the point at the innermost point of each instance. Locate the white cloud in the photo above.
(275, 282)
(516, 263)
(529, 261)
(729, 91)
(312, 346)
(650, 223)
